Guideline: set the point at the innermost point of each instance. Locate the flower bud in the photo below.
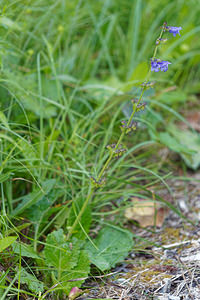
(146, 85)
(98, 183)
(74, 293)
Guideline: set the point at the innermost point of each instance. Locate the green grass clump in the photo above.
(68, 69)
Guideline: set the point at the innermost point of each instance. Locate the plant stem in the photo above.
(103, 169)
(120, 138)
(90, 194)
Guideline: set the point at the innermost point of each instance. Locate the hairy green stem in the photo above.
(89, 196)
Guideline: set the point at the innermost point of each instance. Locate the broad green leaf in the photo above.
(34, 197)
(81, 271)
(138, 76)
(171, 142)
(113, 246)
(58, 253)
(24, 250)
(50, 90)
(31, 281)
(6, 242)
(32, 104)
(140, 72)
(38, 211)
(69, 261)
(28, 151)
(191, 140)
(8, 23)
(173, 97)
(27, 93)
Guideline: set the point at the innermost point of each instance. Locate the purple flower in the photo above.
(154, 65)
(158, 65)
(174, 30)
(164, 65)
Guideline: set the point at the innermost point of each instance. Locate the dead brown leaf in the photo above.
(146, 213)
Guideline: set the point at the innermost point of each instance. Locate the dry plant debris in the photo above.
(146, 213)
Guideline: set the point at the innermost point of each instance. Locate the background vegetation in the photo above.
(68, 71)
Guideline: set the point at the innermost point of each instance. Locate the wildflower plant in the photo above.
(117, 149)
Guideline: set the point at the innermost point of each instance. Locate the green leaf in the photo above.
(186, 143)
(138, 76)
(24, 250)
(113, 246)
(173, 97)
(8, 23)
(58, 253)
(34, 197)
(27, 93)
(68, 260)
(40, 212)
(140, 72)
(191, 140)
(85, 221)
(6, 242)
(171, 142)
(32, 282)
(28, 151)
(81, 271)
(50, 90)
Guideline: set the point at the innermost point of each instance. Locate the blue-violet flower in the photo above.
(164, 65)
(154, 65)
(158, 65)
(174, 30)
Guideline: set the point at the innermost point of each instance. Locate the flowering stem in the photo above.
(154, 53)
(90, 194)
(156, 48)
(120, 138)
(102, 170)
